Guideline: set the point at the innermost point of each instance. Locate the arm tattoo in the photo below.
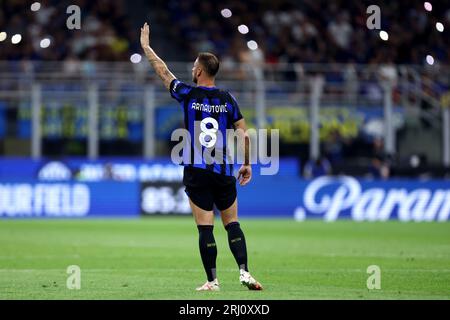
(160, 67)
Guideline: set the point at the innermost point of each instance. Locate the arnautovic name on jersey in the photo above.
(209, 108)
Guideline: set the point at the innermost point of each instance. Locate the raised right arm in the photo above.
(157, 63)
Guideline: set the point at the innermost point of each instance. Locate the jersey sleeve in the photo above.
(237, 115)
(179, 90)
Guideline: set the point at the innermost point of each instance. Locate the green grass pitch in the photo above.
(158, 258)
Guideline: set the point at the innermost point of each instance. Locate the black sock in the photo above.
(208, 250)
(236, 240)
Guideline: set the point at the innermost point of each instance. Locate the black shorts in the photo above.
(206, 189)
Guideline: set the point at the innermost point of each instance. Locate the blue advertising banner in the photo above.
(81, 169)
(33, 199)
(331, 199)
(346, 197)
(110, 169)
(79, 188)
(270, 196)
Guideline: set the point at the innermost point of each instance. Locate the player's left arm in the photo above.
(245, 173)
(157, 63)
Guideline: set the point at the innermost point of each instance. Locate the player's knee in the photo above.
(227, 221)
(203, 217)
(204, 221)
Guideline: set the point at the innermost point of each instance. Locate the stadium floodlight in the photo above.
(430, 60)
(439, 27)
(136, 58)
(384, 35)
(428, 6)
(36, 6)
(243, 29)
(252, 45)
(16, 39)
(3, 36)
(45, 43)
(226, 13)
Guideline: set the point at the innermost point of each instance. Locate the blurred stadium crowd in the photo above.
(309, 31)
(313, 31)
(107, 34)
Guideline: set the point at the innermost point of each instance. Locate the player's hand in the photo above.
(145, 36)
(245, 175)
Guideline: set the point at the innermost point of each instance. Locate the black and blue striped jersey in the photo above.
(208, 114)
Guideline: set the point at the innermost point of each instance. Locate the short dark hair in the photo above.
(210, 62)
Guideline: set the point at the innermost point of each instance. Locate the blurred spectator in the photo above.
(334, 147)
(317, 168)
(378, 148)
(379, 168)
(341, 30)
